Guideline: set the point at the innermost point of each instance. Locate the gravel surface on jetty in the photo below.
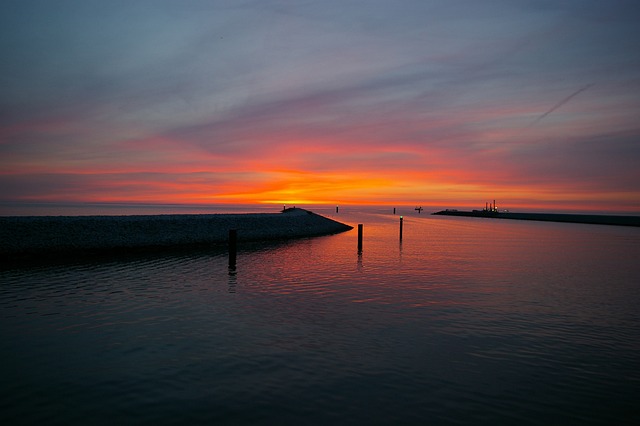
(41, 234)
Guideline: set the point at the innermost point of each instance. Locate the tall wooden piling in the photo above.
(233, 247)
(400, 228)
(359, 238)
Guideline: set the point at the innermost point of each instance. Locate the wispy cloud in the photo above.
(561, 103)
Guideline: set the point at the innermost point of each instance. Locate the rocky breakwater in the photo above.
(550, 217)
(50, 234)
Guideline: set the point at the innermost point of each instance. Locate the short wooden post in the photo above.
(400, 228)
(337, 208)
(233, 247)
(359, 238)
(394, 210)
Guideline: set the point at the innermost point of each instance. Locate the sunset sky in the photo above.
(452, 103)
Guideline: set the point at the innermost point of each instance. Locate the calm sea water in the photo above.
(465, 321)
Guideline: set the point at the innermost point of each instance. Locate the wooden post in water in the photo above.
(400, 228)
(359, 238)
(233, 247)
(394, 210)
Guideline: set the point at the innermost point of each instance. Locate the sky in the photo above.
(452, 103)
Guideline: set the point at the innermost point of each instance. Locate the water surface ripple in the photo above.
(464, 321)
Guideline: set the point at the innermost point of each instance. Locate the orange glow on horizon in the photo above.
(294, 187)
(296, 170)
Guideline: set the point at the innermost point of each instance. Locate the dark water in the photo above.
(467, 321)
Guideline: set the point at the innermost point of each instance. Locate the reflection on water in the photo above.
(233, 279)
(463, 321)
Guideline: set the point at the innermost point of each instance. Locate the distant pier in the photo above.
(548, 217)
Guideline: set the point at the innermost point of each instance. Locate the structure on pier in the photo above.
(489, 208)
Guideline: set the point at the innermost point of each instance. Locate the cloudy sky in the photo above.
(535, 103)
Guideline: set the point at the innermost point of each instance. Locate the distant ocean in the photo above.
(463, 321)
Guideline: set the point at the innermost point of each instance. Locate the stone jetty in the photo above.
(549, 217)
(47, 234)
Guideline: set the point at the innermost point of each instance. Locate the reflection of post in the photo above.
(233, 279)
(359, 238)
(400, 228)
(233, 247)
